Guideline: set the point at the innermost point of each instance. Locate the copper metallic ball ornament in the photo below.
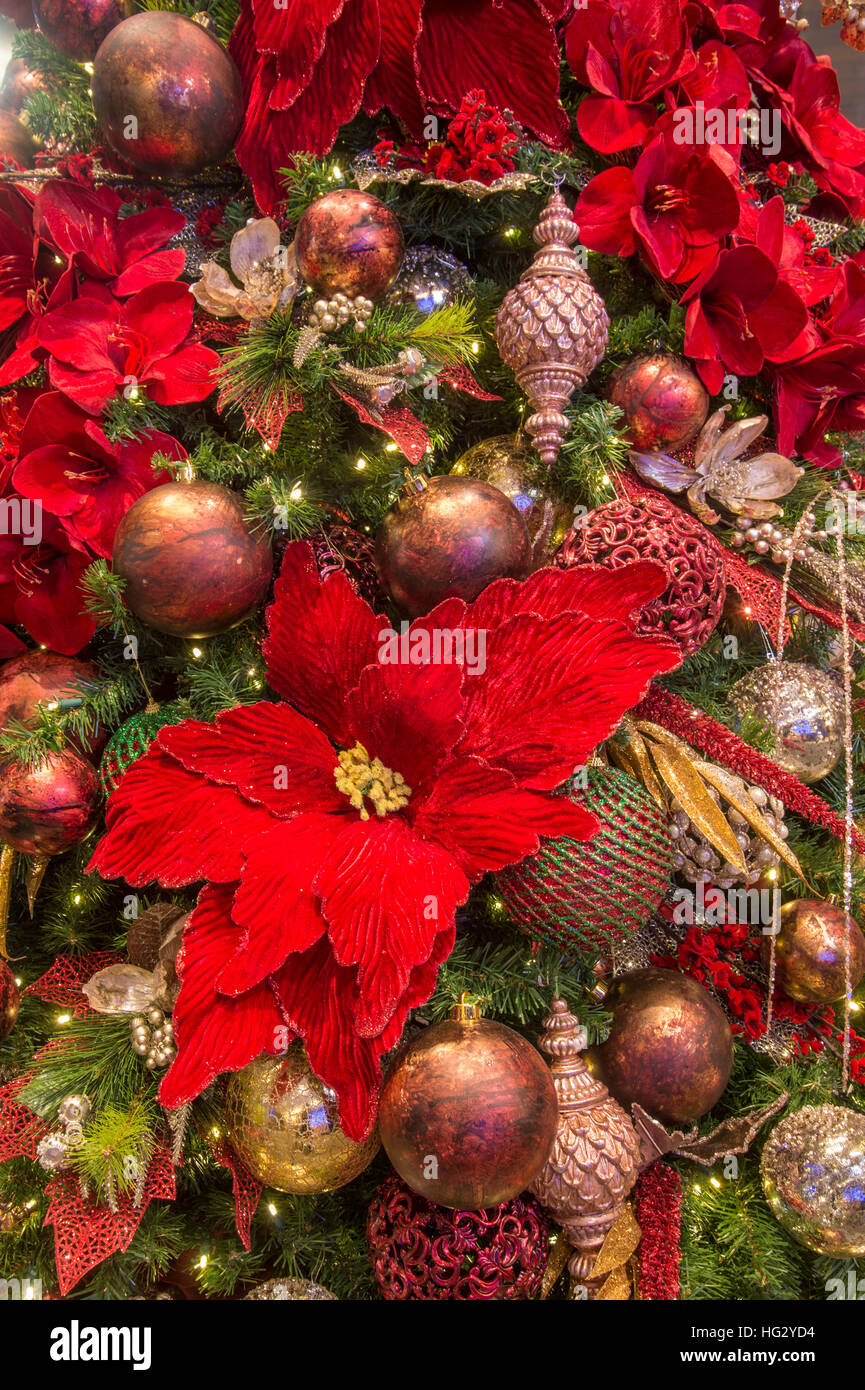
(48, 808)
(77, 27)
(166, 94)
(9, 1000)
(42, 678)
(282, 1122)
(468, 1112)
(449, 536)
(552, 327)
(670, 1048)
(349, 242)
(511, 465)
(192, 566)
(810, 949)
(813, 1170)
(803, 707)
(664, 402)
(18, 85)
(16, 141)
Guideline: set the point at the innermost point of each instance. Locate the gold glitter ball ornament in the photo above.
(552, 327)
(804, 707)
(813, 1169)
(283, 1123)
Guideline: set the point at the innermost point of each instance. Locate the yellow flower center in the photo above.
(357, 775)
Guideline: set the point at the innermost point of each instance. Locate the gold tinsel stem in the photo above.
(7, 866)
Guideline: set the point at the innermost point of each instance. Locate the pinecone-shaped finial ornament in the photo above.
(595, 1158)
(552, 327)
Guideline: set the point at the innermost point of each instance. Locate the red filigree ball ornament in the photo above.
(9, 1000)
(77, 27)
(48, 808)
(349, 242)
(617, 533)
(192, 565)
(342, 550)
(663, 400)
(423, 1252)
(477, 1097)
(42, 678)
(166, 94)
(449, 537)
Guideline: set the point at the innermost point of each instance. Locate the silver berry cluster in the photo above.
(767, 539)
(328, 314)
(153, 1038)
(54, 1149)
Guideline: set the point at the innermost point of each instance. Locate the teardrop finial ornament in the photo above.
(552, 327)
(595, 1157)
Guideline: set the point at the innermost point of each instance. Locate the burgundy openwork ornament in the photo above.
(423, 1252)
(617, 533)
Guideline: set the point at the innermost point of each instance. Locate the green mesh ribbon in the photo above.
(131, 740)
(580, 896)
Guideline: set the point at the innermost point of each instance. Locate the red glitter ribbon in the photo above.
(659, 1216)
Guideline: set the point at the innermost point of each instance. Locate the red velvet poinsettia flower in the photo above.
(308, 66)
(98, 347)
(741, 314)
(76, 473)
(40, 587)
(339, 832)
(84, 226)
(30, 283)
(629, 52)
(676, 206)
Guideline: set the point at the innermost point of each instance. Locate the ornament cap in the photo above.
(466, 1010)
(414, 483)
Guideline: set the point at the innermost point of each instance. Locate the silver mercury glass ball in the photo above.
(813, 1170)
(294, 1290)
(804, 707)
(429, 279)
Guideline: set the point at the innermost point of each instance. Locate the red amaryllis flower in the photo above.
(740, 314)
(339, 833)
(676, 206)
(824, 390)
(126, 252)
(307, 68)
(630, 54)
(69, 466)
(766, 228)
(40, 587)
(30, 281)
(98, 346)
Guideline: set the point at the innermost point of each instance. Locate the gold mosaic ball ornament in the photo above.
(813, 1169)
(804, 707)
(283, 1123)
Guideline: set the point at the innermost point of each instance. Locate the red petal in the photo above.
(407, 715)
(553, 689)
(274, 902)
(169, 825)
(162, 315)
(393, 82)
(609, 124)
(386, 894)
(320, 635)
(603, 212)
(215, 1034)
(162, 265)
(272, 754)
(508, 51)
(591, 589)
(486, 822)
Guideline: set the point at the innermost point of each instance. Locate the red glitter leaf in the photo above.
(247, 1191)
(403, 427)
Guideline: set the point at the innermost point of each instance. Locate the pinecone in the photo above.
(696, 860)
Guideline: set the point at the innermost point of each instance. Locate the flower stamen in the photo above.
(357, 775)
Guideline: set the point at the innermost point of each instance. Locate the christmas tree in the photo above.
(433, 585)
